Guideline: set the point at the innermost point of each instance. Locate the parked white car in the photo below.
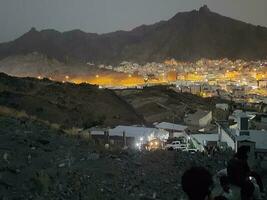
(176, 145)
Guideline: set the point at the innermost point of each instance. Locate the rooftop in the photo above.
(198, 114)
(257, 136)
(136, 131)
(171, 126)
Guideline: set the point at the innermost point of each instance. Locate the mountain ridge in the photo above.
(186, 36)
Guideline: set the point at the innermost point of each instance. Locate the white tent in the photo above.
(143, 133)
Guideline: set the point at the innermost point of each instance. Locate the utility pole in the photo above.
(124, 140)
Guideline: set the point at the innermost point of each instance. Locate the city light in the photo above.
(217, 74)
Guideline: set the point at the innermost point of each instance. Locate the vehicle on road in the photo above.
(176, 145)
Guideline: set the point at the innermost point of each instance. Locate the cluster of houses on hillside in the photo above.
(230, 134)
(163, 131)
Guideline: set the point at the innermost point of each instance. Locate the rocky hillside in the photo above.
(161, 103)
(66, 104)
(38, 162)
(33, 65)
(186, 36)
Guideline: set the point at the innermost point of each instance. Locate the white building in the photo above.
(241, 135)
(141, 134)
(201, 118)
(239, 113)
(135, 135)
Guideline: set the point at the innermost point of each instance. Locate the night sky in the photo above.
(101, 16)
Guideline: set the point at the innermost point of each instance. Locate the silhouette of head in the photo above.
(242, 152)
(196, 183)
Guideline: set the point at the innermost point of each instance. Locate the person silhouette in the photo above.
(237, 168)
(197, 183)
(247, 190)
(239, 173)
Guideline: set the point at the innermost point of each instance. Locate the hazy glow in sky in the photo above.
(101, 16)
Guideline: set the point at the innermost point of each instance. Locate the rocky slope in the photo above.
(68, 105)
(38, 162)
(161, 103)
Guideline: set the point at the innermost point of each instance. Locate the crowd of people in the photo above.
(236, 182)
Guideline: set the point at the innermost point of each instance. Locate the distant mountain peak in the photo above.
(186, 36)
(204, 9)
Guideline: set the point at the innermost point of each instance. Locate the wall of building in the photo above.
(224, 137)
(204, 121)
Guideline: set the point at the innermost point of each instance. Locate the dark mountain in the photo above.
(68, 105)
(186, 36)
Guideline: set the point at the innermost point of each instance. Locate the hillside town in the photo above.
(239, 80)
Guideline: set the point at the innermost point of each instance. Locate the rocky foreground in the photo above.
(38, 162)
